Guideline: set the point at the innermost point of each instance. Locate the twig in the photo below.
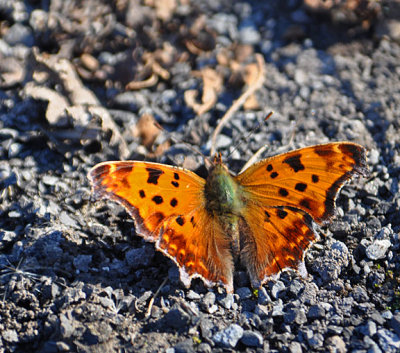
(257, 84)
(254, 158)
(148, 312)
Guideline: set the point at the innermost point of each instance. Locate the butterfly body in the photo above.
(261, 217)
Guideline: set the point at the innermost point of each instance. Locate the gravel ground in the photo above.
(77, 78)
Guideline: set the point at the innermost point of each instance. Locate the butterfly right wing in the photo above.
(168, 206)
(283, 194)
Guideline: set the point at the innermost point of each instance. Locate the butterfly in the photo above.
(262, 217)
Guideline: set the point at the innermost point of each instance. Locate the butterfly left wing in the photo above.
(168, 206)
(283, 193)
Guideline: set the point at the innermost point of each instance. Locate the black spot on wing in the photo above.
(176, 176)
(322, 151)
(294, 162)
(157, 199)
(281, 213)
(180, 220)
(269, 168)
(301, 187)
(142, 194)
(173, 202)
(175, 183)
(315, 178)
(125, 182)
(283, 192)
(273, 175)
(154, 175)
(306, 203)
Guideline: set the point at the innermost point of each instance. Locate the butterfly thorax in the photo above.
(222, 192)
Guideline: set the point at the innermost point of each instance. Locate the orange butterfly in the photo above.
(261, 217)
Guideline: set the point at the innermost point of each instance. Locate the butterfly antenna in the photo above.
(252, 131)
(188, 145)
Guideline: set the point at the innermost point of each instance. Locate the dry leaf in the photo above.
(146, 129)
(212, 85)
(164, 8)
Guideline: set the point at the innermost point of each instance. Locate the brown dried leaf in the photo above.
(57, 104)
(212, 85)
(161, 148)
(146, 129)
(164, 9)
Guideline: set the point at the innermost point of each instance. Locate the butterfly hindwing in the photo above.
(277, 238)
(168, 206)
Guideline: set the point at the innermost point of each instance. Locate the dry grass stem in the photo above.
(257, 84)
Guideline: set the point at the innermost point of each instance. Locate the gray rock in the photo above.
(373, 156)
(295, 347)
(330, 266)
(277, 309)
(10, 335)
(377, 250)
(395, 323)
(277, 288)
(223, 141)
(316, 340)
(360, 294)
(296, 287)
(252, 339)
(335, 344)
(82, 262)
(388, 341)
(67, 220)
(209, 299)
(204, 348)
(296, 315)
(140, 257)
(38, 20)
(368, 329)
(229, 337)
(263, 297)
(206, 327)
(371, 345)
(192, 295)
(66, 326)
(19, 34)
(309, 294)
(387, 315)
(244, 293)
(184, 347)
(316, 311)
(177, 318)
(228, 301)
(208, 303)
(249, 35)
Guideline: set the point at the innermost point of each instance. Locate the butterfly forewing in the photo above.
(308, 179)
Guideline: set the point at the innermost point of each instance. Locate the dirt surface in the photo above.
(83, 81)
